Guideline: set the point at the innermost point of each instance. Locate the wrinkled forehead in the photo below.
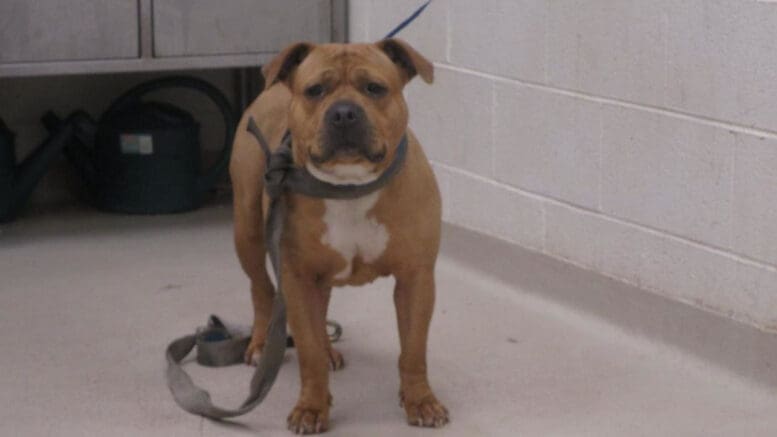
(346, 63)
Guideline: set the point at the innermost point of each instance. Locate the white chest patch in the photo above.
(350, 232)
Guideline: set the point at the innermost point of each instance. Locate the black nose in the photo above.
(344, 114)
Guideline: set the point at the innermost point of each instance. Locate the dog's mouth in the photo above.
(342, 168)
(347, 155)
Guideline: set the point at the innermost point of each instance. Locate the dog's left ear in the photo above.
(409, 61)
(282, 66)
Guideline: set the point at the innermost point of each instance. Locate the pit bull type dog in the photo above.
(344, 108)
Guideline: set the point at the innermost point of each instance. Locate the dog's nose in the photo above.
(344, 114)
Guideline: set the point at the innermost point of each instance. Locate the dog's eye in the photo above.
(375, 89)
(314, 91)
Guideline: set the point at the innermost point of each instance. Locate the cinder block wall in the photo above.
(634, 138)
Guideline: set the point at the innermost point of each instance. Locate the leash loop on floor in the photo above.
(219, 344)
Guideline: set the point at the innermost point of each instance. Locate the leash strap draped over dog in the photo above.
(407, 20)
(220, 345)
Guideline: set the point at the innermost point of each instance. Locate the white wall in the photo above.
(635, 138)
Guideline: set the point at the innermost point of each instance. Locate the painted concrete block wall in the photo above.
(634, 138)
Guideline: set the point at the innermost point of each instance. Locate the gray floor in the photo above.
(88, 302)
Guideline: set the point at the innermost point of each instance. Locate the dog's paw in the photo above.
(427, 412)
(254, 351)
(308, 420)
(336, 360)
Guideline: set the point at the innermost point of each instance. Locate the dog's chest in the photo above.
(351, 233)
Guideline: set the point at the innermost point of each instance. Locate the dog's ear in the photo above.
(409, 61)
(282, 66)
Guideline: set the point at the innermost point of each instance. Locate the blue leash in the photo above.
(408, 20)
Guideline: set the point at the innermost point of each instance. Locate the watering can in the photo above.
(17, 181)
(144, 157)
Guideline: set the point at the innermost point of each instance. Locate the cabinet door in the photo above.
(56, 30)
(208, 27)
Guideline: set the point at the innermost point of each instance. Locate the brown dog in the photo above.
(344, 107)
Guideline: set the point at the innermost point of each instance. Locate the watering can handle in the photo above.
(211, 175)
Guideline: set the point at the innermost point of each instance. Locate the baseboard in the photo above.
(724, 342)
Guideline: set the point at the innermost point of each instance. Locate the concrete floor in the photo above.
(88, 302)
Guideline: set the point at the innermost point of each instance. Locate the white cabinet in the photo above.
(207, 27)
(55, 30)
(47, 37)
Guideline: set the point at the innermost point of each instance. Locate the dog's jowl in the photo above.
(344, 108)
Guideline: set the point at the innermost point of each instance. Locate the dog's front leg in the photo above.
(306, 305)
(414, 300)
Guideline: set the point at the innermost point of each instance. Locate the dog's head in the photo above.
(347, 113)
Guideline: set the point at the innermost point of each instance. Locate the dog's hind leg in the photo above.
(246, 171)
(336, 360)
(249, 242)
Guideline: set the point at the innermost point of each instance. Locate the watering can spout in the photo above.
(17, 182)
(77, 150)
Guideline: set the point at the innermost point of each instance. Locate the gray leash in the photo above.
(220, 345)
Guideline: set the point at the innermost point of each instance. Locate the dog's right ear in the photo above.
(282, 66)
